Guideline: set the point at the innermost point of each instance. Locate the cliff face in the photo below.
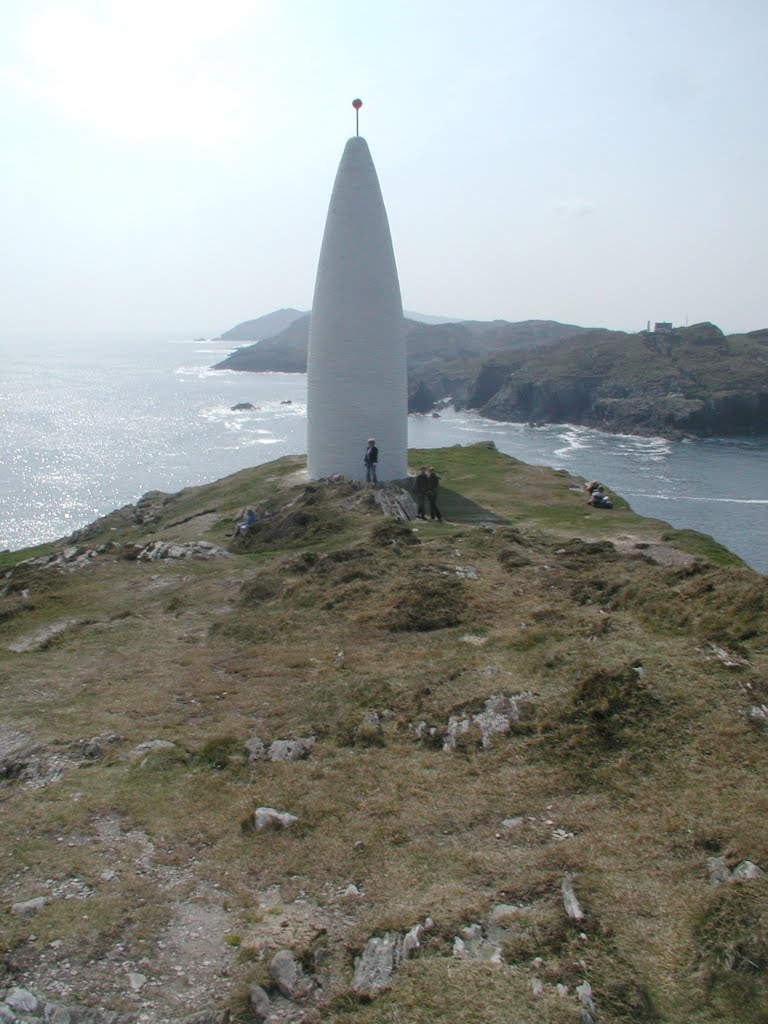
(694, 380)
(691, 381)
(442, 358)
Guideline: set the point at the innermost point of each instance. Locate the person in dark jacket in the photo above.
(420, 487)
(433, 482)
(370, 459)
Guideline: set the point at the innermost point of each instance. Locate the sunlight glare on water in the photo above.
(90, 430)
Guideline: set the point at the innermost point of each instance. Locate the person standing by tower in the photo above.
(420, 487)
(370, 459)
(433, 482)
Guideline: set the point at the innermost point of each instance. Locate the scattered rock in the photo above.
(584, 992)
(28, 908)
(746, 871)
(286, 971)
(511, 824)
(259, 1000)
(719, 871)
(728, 659)
(151, 747)
(471, 944)
(412, 939)
(160, 549)
(136, 981)
(268, 817)
(291, 750)
(256, 748)
(91, 749)
(378, 962)
(559, 834)
(571, 904)
(495, 720)
(396, 502)
(21, 1000)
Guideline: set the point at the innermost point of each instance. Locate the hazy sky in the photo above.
(167, 164)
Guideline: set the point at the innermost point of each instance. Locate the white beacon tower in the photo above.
(356, 367)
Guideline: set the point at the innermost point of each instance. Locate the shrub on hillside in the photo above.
(434, 602)
(731, 939)
(612, 707)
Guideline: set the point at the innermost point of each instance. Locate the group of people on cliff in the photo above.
(425, 485)
(425, 488)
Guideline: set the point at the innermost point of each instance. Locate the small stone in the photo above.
(571, 904)
(151, 746)
(584, 992)
(136, 981)
(537, 986)
(352, 891)
(746, 871)
(291, 750)
(718, 870)
(286, 972)
(28, 908)
(107, 875)
(375, 967)
(412, 939)
(21, 1000)
(510, 824)
(259, 1000)
(758, 715)
(268, 817)
(256, 748)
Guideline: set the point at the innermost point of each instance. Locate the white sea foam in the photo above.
(702, 499)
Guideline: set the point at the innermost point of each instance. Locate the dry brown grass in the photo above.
(649, 772)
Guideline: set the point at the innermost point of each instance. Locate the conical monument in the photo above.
(356, 370)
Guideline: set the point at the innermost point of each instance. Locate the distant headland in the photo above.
(675, 382)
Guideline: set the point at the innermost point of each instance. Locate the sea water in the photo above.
(87, 429)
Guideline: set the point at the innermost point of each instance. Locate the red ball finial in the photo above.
(357, 104)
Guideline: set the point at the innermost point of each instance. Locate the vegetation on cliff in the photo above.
(691, 380)
(531, 739)
(442, 358)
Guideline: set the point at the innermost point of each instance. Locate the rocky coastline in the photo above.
(685, 382)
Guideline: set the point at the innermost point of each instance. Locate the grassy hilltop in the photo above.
(532, 739)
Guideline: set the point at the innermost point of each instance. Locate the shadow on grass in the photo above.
(458, 509)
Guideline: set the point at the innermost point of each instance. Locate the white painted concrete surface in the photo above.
(356, 372)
